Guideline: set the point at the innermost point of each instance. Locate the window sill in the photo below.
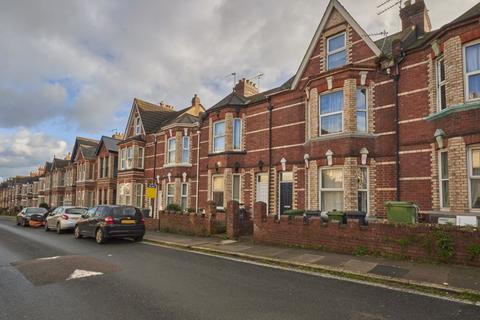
(173, 165)
(227, 152)
(474, 105)
(334, 136)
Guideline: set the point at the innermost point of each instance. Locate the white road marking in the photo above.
(83, 274)
(49, 258)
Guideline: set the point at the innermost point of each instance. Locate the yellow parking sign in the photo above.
(151, 192)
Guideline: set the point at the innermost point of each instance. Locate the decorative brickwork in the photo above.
(350, 178)
(313, 106)
(458, 180)
(432, 84)
(349, 105)
(371, 108)
(313, 185)
(372, 191)
(273, 191)
(435, 179)
(454, 71)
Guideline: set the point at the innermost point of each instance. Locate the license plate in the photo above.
(128, 221)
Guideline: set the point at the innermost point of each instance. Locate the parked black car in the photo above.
(30, 213)
(105, 222)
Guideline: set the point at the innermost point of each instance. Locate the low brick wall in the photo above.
(188, 223)
(419, 242)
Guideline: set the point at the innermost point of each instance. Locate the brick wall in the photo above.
(416, 242)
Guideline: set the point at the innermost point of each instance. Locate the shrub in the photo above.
(190, 210)
(473, 251)
(173, 207)
(294, 212)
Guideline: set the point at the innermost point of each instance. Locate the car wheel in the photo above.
(138, 239)
(99, 237)
(46, 227)
(77, 233)
(59, 228)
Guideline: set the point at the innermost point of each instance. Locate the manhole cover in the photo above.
(62, 268)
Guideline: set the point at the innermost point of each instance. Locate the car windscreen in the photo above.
(36, 210)
(118, 212)
(75, 210)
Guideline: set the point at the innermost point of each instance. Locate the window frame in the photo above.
(130, 158)
(168, 195)
(322, 189)
(223, 191)
(468, 74)
(364, 111)
(320, 115)
(471, 176)
(138, 195)
(240, 123)
(174, 150)
(186, 151)
(184, 196)
(440, 83)
(441, 179)
(344, 48)
(214, 137)
(138, 126)
(366, 190)
(239, 177)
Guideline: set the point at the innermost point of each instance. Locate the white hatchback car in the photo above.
(63, 218)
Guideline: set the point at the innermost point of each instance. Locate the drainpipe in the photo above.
(396, 80)
(154, 176)
(270, 109)
(198, 170)
(307, 182)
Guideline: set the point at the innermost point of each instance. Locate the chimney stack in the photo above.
(117, 135)
(167, 106)
(415, 14)
(68, 156)
(246, 88)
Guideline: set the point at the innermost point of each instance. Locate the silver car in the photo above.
(63, 218)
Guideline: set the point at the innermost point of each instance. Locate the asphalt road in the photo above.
(141, 281)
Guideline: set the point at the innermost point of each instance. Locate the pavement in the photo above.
(450, 278)
(48, 276)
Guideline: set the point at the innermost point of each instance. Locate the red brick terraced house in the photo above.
(84, 158)
(106, 170)
(70, 184)
(58, 181)
(360, 123)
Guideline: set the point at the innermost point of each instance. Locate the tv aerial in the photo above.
(387, 5)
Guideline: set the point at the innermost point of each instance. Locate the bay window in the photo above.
(363, 189)
(472, 62)
(186, 149)
(219, 136)
(124, 196)
(129, 157)
(184, 196)
(362, 120)
(474, 177)
(123, 159)
(331, 113)
(331, 189)
(443, 174)
(218, 187)
(237, 134)
(336, 51)
(171, 150)
(170, 193)
(441, 93)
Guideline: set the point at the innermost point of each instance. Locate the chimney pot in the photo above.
(415, 14)
(246, 88)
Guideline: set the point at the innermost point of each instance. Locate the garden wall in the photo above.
(420, 242)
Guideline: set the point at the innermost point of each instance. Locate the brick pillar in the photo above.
(233, 219)
(178, 150)
(457, 170)
(313, 116)
(350, 105)
(351, 184)
(453, 59)
(210, 217)
(228, 131)
(260, 212)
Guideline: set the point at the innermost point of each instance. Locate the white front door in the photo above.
(262, 188)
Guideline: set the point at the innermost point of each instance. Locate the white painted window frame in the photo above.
(184, 195)
(441, 179)
(239, 186)
(344, 48)
(185, 149)
(214, 137)
(213, 189)
(440, 83)
(471, 176)
(365, 111)
(320, 115)
(367, 190)
(168, 195)
(171, 150)
(467, 75)
(322, 189)
(138, 126)
(237, 120)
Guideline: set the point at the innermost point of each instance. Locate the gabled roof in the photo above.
(84, 143)
(152, 115)
(59, 163)
(48, 166)
(88, 152)
(233, 99)
(334, 4)
(111, 144)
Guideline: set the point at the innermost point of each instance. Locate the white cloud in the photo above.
(23, 151)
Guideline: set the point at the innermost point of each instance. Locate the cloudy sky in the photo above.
(73, 67)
